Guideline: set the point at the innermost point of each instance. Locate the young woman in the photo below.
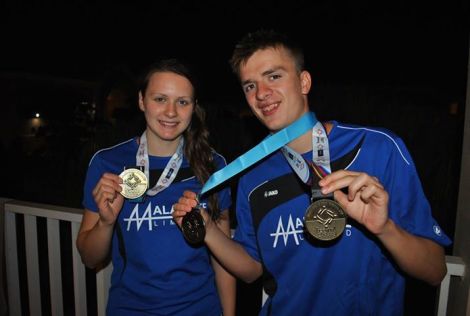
(155, 270)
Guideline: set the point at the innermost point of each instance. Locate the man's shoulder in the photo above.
(379, 140)
(371, 133)
(264, 170)
(219, 159)
(357, 128)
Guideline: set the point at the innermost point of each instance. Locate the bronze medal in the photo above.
(325, 219)
(134, 183)
(193, 227)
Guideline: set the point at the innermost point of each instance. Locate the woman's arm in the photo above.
(96, 230)
(94, 239)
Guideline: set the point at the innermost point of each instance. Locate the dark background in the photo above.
(401, 42)
(401, 65)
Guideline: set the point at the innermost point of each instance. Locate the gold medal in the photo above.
(134, 184)
(325, 219)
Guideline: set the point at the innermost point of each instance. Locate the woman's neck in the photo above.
(161, 148)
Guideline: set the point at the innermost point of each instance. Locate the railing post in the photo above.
(32, 264)
(79, 278)
(103, 281)
(3, 282)
(455, 267)
(55, 268)
(13, 279)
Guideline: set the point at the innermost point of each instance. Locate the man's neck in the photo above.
(303, 143)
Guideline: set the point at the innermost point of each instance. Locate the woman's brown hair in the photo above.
(196, 146)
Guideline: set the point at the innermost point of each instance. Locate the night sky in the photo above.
(399, 42)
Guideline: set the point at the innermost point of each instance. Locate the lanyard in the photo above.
(320, 158)
(170, 171)
(270, 144)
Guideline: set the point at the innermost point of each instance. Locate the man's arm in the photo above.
(419, 257)
(367, 203)
(226, 283)
(228, 252)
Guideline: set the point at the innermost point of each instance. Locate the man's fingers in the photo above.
(190, 195)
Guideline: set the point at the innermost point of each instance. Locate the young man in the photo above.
(389, 231)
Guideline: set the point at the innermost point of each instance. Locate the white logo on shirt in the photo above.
(295, 231)
(158, 217)
(437, 230)
(270, 193)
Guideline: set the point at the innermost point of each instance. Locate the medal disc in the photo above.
(193, 227)
(325, 219)
(134, 184)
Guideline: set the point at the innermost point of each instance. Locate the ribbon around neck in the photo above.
(270, 144)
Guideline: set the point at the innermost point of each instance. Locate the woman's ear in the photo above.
(141, 102)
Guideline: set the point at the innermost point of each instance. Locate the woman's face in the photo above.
(168, 105)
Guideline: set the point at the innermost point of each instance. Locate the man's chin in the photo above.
(273, 126)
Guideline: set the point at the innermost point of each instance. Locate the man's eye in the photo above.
(275, 77)
(248, 87)
(159, 99)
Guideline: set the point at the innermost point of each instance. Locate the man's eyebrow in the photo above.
(264, 73)
(270, 71)
(245, 82)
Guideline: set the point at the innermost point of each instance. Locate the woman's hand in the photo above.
(108, 198)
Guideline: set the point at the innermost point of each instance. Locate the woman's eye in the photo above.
(183, 102)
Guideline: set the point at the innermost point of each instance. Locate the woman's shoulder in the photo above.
(121, 149)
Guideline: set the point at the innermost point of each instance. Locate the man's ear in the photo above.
(305, 81)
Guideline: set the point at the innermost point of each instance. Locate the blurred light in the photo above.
(36, 122)
(37, 115)
(454, 108)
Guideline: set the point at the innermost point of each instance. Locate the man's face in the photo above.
(275, 91)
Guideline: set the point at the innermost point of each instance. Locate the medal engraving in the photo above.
(134, 184)
(193, 227)
(325, 219)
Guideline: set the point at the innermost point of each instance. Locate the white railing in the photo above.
(53, 215)
(455, 268)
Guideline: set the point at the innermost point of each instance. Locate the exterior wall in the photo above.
(459, 301)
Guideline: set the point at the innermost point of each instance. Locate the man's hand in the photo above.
(366, 201)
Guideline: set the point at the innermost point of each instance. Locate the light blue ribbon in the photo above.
(263, 149)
